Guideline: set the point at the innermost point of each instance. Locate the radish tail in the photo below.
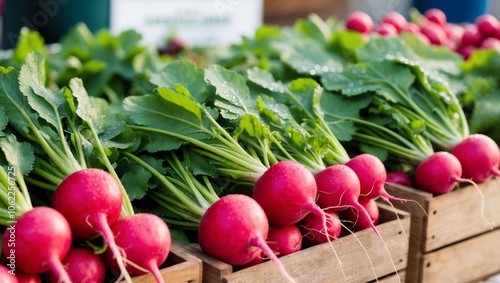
(153, 268)
(260, 243)
(462, 180)
(363, 213)
(100, 224)
(57, 267)
(313, 208)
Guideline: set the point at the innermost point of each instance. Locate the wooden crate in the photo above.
(450, 240)
(180, 267)
(319, 264)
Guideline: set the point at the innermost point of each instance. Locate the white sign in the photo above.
(197, 22)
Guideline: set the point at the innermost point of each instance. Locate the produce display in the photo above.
(281, 142)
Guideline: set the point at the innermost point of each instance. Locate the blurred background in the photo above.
(53, 18)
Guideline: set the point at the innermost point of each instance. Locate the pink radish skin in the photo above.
(339, 189)
(83, 265)
(439, 174)
(352, 215)
(400, 178)
(23, 277)
(479, 156)
(91, 201)
(284, 240)
(42, 239)
(6, 276)
(145, 240)
(372, 177)
(233, 229)
(314, 231)
(287, 192)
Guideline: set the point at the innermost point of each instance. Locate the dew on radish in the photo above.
(42, 238)
(479, 156)
(83, 265)
(233, 229)
(145, 241)
(91, 200)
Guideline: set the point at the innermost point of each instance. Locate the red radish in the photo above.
(359, 21)
(466, 51)
(145, 241)
(91, 200)
(439, 173)
(352, 215)
(233, 229)
(471, 36)
(479, 156)
(490, 43)
(339, 189)
(386, 29)
(487, 25)
(400, 177)
(255, 261)
(287, 192)
(83, 265)
(23, 277)
(372, 176)
(396, 19)
(7, 276)
(39, 239)
(434, 33)
(454, 32)
(284, 240)
(314, 231)
(436, 16)
(411, 28)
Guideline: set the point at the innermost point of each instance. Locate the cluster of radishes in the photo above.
(53, 242)
(476, 159)
(293, 207)
(433, 28)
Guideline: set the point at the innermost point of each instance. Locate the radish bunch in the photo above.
(433, 28)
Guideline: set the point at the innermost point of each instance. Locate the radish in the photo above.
(287, 192)
(339, 189)
(83, 265)
(91, 200)
(145, 240)
(487, 24)
(359, 21)
(6, 276)
(39, 239)
(400, 177)
(436, 16)
(372, 176)
(284, 240)
(233, 229)
(314, 231)
(386, 29)
(396, 19)
(479, 157)
(23, 277)
(439, 173)
(352, 215)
